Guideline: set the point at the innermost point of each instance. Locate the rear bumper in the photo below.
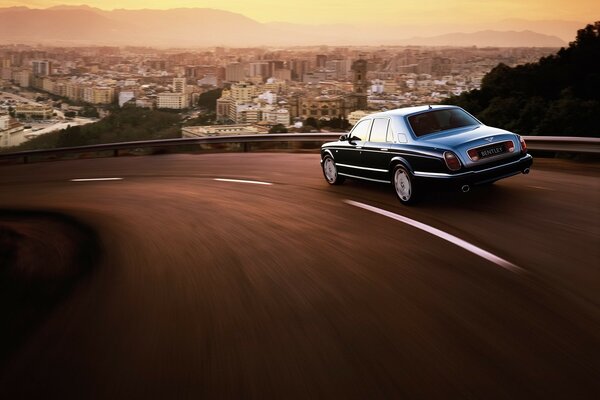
(480, 177)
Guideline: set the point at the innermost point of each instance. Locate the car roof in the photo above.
(403, 112)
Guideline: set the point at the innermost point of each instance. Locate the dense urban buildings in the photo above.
(262, 87)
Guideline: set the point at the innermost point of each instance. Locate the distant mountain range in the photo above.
(489, 38)
(190, 27)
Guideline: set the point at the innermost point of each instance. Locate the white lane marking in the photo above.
(95, 179)
(441, 234)
(541, 188)
(242, 181)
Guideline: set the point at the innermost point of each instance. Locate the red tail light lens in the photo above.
(523, 145)
(452, 162)
(473, 154)
(510, 146)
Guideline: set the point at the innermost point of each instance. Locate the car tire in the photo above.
(404, 185)
(330, 171)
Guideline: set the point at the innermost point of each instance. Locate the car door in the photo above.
(376, 156)
(350, 159)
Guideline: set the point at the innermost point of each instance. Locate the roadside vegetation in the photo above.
(122, 125)
(557, 96)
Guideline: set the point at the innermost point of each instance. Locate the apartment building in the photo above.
(35, 111)
(41, 67)
(12, 133)
(98, 95)
(174, 101)
(276, 115)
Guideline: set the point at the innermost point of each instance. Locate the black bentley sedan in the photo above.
(418, 147)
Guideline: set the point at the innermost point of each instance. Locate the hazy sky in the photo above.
(389, 12)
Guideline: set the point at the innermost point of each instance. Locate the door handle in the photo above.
(383, 149)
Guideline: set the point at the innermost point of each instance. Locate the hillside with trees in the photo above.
(122, 125)
(557, 96)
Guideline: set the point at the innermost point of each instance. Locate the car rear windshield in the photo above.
(440, 120)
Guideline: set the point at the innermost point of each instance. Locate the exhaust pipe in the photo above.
(526, 171)
(465, 188)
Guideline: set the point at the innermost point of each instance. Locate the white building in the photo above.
(242, 92)
(377, 86)
(98, 94)
(175, 101)
(124, 97)
(276, 115)
(38, 111)
(246, 113)
(12, 133)
(268, 97)
(355, 116)
(179, 85)
(208, 80)
(22, 78)
(219, 130)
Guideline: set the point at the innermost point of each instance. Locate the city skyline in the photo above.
(357, 12)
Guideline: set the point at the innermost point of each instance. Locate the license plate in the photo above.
(492, 151)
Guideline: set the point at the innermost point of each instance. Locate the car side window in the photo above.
(361, 129)
(390, 133)
(379, 130)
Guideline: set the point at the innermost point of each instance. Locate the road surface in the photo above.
(247, 276)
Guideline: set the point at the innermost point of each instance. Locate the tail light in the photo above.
(473, 155)
(510, 146)
(452, 162)
(523, 145)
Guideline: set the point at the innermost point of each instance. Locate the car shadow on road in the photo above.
(478, 198)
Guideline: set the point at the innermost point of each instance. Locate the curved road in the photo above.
(229, 289)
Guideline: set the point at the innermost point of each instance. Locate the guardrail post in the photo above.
(246, 147)
(116, 153)
(25, 160)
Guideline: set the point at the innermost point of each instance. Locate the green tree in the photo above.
(122, 125)
(558, 95)
(208, 99)
(310, 121)
(89, 112)
(202, 119)
(279, 128)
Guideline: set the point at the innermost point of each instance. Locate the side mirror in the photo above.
(354, 139)
(344, 137)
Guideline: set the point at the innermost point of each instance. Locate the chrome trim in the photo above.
(360, 177)
(391, 151)
(437, 174)
(494, 157)
(363, 168)
(415, 155)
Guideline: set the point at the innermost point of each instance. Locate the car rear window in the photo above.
(440, 120)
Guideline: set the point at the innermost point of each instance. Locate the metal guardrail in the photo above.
(536, 143)
(244, 140)
(578, 145)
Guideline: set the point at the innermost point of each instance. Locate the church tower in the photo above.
(359, 79)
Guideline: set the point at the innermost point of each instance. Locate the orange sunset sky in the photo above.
(389, 12)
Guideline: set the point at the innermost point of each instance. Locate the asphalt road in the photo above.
(226, 289)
